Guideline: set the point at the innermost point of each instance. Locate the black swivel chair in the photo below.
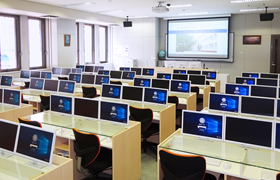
(32, 123)
(116, 82)
(91, 157)
(26, 84)
(199, 98)
(62, 78)
(175, 100)
(145, 116)
(89, 91)
(278, 176)
(183, 167)
(45, 103)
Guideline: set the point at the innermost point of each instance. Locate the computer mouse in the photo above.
(227, 165)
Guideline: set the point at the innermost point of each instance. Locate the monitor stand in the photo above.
(36, 164)
(5, 154)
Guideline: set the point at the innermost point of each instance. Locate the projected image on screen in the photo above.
(237, 89)
(223, 102)
(61, 104)
(116, 112)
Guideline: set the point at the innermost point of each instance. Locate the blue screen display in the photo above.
(103, 72)
(254, 75)
(116, 112)
(36, 83)
(278, 107)
(6, 80)
(46, 75)
(56, 70)
(76, 70)
(124, 69)
(155, 95)
(80, 66)
(277, 136)
(111, 91)
(180, 86)
(200, 124)
(66, 86)
(237, 89)
(96, 68)
(128, 75)
(24, 74)
(142, 82)
(75, 77)
(148, 72)
(209, 74)
(12, 97)
(164, 75)
(223, 102)
(61, 104)
(100, 79)
(244, 80)
(180, 71)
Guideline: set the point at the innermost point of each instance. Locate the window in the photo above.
(88, 40)
(36, 37)
(103, 45)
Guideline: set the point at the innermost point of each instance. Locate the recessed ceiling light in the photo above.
(178, 6)
(244, 1)
(258, 9)
(134, 17)
(197, 13)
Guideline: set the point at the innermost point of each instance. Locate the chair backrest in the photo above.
(45, 102)
(195, 89)
(32, 123)
(143, 115)
(174, 100)
(26, 84)
(116, 82)
(87, 146)
(89, 92)
(278, 176)
(62, 78)
(207, 82)
(182, 167)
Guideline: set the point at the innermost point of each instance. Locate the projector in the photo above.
(266, 17)
(160, 9)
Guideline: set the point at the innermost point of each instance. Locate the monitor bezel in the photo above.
(51, 80)
(35, 71)
(102, 83)
(88, 75)
(72, 105)
(256, 83)
(134, 87)
(210, 72)
(57, 68)
(159, 73)
(14, 123)
(180, 91)
(179, 70)
(144, 79)
(45, 72)
(87, 99)
(78, 74)
(154, 79)
(254, 79)
(221, 111)
(116, 85)
(105, 70)
(6, 85)
(275, 87)
(166, 101)
(197, 75)
(38, 79)
(67, 81)
(128, 72)
(250, 73)
(29, 74)
(249, 86)
(148, 74)
(20, 97)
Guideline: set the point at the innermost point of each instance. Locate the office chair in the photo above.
(62, 78)
(45, 103)
(183, 167)
(32, 123)
(175, 100)
(89, 91)
(116, 82)
(91, 157)
(278, 176)
(199, 99)
(22, 100)
(26, 84)
(145, 117)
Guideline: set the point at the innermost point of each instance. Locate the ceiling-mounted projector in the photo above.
(266, 16)
(160, 8)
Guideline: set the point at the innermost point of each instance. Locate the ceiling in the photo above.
(136, 8)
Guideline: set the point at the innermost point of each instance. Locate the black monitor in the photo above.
(75, 77)
(210, 74)
(102, 79)
(161, 83)
(155, 95)
(97, 68)
(25, 74)
(51, 85)
(89, 68)
(56, 70)
(114, 112)
(144, 82)
(197, 79)
(46, 75)
(179, 71)
(103, 72)
(6, 80)
(61, 104)
(81, 67)
(35, 74)
(164, 75)
(8, 132)
(269, 75)
(277, 136)
(137, 70)
(148, 71)
(86, 107)
(132, 93)
(37, 83)
(250, 74)
(111, 91)
(245, 80)
(267, 82)
(76, 70)
(257, 106)
(88, 79)
(248, 131)
(65, 71)
(205, 125)
(129, 75)
(194, 72)
(124, 68)
(116, 74)
(12, 97)
(66, 86)
(224, 102)
(180, 86)
(237, 89)
(180, 76)
(278, 108)
(263, 91)
(1, 95)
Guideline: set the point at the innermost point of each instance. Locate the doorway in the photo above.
(275, 54)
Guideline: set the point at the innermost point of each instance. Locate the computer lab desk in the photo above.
(11, 113)
(236, 160)
(125, 141)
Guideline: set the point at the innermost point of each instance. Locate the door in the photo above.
(275, 54)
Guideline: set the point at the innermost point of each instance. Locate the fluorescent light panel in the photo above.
(244, 1)
(196, 13)
(79, 4)
(178, 6)
(134, 17)
(259, 9)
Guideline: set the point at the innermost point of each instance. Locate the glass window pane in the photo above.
(102, 44)
(35, 43)
(88, 43)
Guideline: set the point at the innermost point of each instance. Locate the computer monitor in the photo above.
(164, 75)
(103, 72)
(1, 95)
(257, 106)
(56, 70)
(12, 97)
(238, 89)
(197, 79)
(180, 86)
(194, 72)
(180, 76)
(8, 134)
(46, 75)
(75, 77)
(36, 144)
(143, 82)
(61, 104)
(51, 85)
(81, 67)
(161, 83)
(269, 75)
(129, 75)
(111, 91)
(267, 82)
(223, 102)
(76, 70)
(210, 74)
(114, 112)
(278, 109)
(35, 74)
(89, 68)
(6, 80)
(97, 68)
(264, 91)
(179, 71)
(25, 74)
(250, 74)
(86, 107)
(66, 86)
(124, 68)
(148, 72)
(116, 74)
(155, 95)
(137, 70)
(245, 80)
(65, 71)
(248, 131)
(102, 79)
(202, 125)
(277, 136)
(37, 83)
(132, 93)
(88, 79)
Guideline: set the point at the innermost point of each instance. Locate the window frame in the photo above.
(78, 42)
(93, 43)
(106, 43)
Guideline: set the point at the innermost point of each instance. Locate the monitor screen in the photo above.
(128, 75)
(35, 143)
(180, 86)
(257, 106)
(50, 85)
(65, 71)
(75, 77)
(249, 74)
(1, 95)
(46, 75)
(277, 136)
(202, 124)
(197, 79)
(76, 70)
(88, 79)
(263, 91)
(6, 80)
(97, 68)
(137, 70)
(56, 70)
(124, 68)
(132, 93)
(164, 75)
(12, 97)
(36, 83)
(81, 67)
(24, 74)
(100, 79)
(179, 71)
(116, 74)
(144, 82)
(238, 89)
(267, 82)
(89, 68)
(210, 74)
(180, 76)
(66, 86)
(8, 132)
(62, 104)
(247, 131)
(161, 83)
(269, 75)
(148, 72)
(35, 74)
(103, 72)
(113, 111)
(224, 102)
(278, 108)
(245, 80)
(154, 95)
(86, 107)
(111, 91)
(193, 72)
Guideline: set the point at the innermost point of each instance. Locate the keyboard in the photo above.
(212, 161)
(268, 175)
